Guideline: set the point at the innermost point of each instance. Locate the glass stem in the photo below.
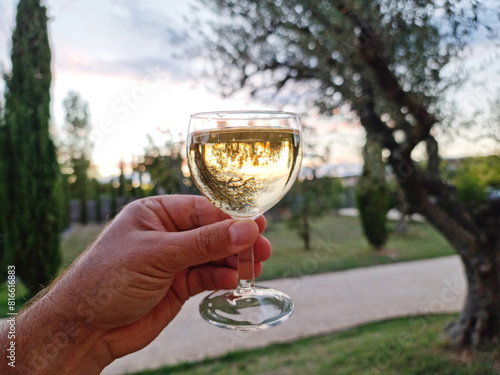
(246, 275)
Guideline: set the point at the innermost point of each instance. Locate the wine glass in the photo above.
(245, 162)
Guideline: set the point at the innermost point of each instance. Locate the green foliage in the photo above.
(473, 177)
(30, 218)
(372, 210)
(470, 188)
(373, 195)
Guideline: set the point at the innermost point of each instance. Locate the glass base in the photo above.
(251, 309)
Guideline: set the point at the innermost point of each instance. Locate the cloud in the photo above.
(124, 37)
(7, 22)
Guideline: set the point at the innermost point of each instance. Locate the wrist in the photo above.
(50, 341)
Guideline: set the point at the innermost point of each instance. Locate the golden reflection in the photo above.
(240, 170)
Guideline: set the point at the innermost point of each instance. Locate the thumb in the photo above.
(210, 242)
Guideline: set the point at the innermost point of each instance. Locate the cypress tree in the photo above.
(30, 218)
(3, 182)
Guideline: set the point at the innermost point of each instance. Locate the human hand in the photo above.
(134, 279)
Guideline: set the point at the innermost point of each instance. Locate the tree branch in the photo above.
(445, 213)
(371, 51)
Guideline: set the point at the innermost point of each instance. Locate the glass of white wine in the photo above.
(245, 162)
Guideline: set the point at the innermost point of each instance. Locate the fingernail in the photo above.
(242, 232)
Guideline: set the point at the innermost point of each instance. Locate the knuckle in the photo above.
(208, 240)
(133, 206)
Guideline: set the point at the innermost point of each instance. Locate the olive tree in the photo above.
(384, 61)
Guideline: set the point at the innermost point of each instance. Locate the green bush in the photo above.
(372, 195)
(371, 200)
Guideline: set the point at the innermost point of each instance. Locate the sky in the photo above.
(119, 56)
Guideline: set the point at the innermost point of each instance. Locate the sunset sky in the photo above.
(118, 55)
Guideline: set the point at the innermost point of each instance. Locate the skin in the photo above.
(130, 284)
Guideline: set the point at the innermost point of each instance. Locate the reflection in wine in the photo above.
(244, 171)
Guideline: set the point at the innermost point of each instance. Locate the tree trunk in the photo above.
(476, 238)
(480, 317)
(306, 227)
(479, 321)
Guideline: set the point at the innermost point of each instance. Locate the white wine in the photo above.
(244, 171)
(245, 162)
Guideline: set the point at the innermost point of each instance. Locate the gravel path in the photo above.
(323, 303)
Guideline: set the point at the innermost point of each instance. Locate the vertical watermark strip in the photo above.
(11, 321)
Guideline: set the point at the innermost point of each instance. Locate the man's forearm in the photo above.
(51, 341)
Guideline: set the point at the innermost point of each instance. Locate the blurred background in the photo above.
(400, 101)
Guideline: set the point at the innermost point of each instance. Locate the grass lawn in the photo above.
(405, 346)
(77, 240)
(338, 244)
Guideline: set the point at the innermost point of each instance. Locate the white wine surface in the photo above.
(244, 171)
